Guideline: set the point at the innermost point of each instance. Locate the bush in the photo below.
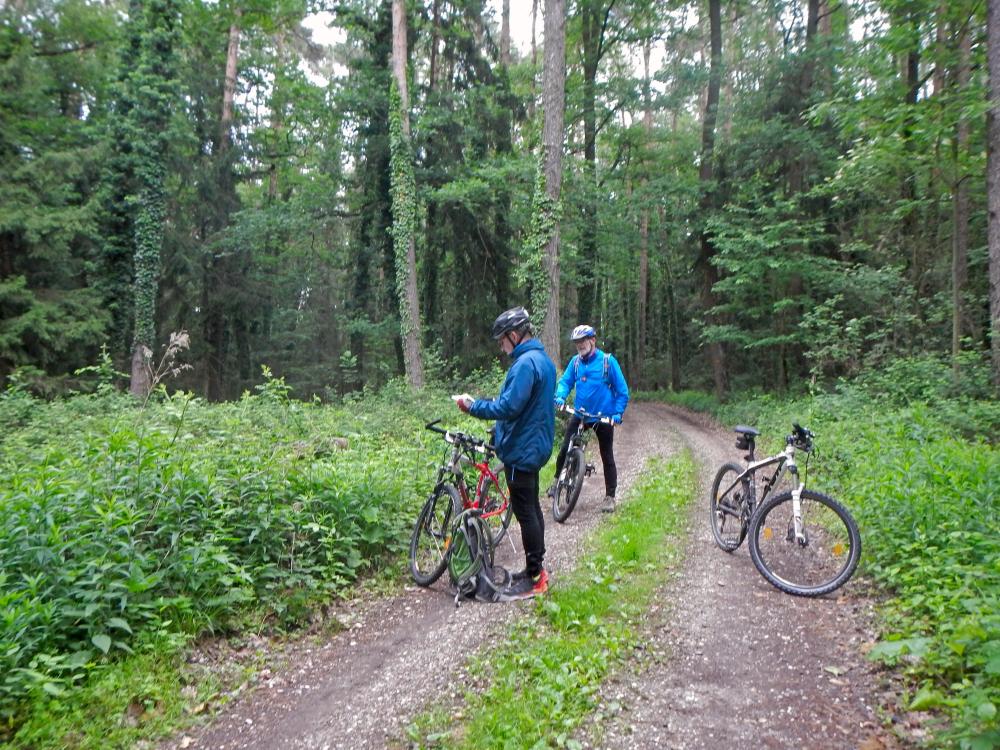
(119, 523)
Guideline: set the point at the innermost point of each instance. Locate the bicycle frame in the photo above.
(786, 462)
(581, 436)
(454, 467)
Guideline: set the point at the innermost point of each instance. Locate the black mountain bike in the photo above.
(803, 542)
(570, 480)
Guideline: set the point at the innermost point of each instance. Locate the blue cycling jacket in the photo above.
(524, 411)
(597, 391)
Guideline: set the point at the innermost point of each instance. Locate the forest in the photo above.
(248, 246)
(762, 195)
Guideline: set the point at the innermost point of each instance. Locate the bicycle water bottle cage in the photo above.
(745, 437)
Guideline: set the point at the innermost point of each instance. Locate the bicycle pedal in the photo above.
(590, 469)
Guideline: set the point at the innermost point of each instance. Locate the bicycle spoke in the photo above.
(429, 543)
(728, 509)
(814, 558)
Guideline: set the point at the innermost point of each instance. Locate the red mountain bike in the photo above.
(451, 495)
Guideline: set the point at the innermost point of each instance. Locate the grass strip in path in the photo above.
(539, 684)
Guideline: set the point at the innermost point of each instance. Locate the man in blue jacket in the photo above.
(601, 390)
(525, 432)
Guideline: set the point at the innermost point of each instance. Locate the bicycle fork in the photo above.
(797, 530)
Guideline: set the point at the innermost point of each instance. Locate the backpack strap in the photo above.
(576, 368)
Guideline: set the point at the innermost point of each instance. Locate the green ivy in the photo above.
(545, 215)
(404, 204)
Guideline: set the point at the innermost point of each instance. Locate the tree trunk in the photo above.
(591, 43)
(647, 126)
(553, 100)
(229, 85)
(960, 206)
(155, 101)
(409, 303)
(216, 270)
(505, 34)
(709, 274)
(993, 179)
(435, 40)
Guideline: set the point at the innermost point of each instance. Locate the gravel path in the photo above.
(738, 664)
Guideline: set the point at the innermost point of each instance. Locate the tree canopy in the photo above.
(837, 221)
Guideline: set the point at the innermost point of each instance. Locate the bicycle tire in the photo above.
(568, 492)
(823, 563)
(489, 500)
(727, 512)
(432, 535)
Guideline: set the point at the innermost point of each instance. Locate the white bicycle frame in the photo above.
(786, 462)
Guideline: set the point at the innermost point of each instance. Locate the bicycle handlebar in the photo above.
(801, 438)
(462, 438)
(585, 414)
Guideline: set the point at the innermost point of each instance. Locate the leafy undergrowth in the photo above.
(581, 630)
(927, 499)
(125, 532)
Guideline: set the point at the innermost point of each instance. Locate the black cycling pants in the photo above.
(523, 487)
(606, 442)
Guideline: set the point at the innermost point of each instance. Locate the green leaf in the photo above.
(117, 622)
(926, 699)
(52, 689)
(986, 711)
(102, 641)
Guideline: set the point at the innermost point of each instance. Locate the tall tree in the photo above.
(709, 273)
(404, 203)
(219, 266)
(993, 179)
(960, 203)
(553, 103)
(643, 296)
(154, 85)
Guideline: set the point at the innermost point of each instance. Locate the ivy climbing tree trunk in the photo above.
(153, 83)
(993, 179)
(403, 185)
(553, 102)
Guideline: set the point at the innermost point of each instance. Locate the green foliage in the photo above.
(404, 207)
(152, 87)
(545, 214)
(926, 500)
(121, 527)
(50, 317)
(582, 631)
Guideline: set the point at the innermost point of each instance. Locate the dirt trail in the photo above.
(740, 664)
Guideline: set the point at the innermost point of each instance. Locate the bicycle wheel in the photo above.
(727, 507)
(822, 561)
(432, 535)
(569, 484)
(491, 499)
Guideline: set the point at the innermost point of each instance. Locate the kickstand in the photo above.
(510, 541)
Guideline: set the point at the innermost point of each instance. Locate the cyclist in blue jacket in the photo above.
(525, 432)
(600, 389)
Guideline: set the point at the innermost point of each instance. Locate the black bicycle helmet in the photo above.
(510, 320)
